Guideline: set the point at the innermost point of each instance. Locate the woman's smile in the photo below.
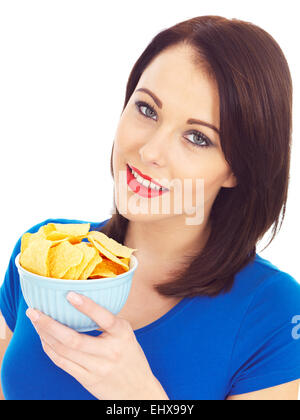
(143, 187)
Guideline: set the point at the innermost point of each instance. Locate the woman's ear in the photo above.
(230, 182)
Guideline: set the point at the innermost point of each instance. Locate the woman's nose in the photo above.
(155, 150)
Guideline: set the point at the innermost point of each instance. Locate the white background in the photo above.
(64, 69)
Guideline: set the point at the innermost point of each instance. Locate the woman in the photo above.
(207, 317)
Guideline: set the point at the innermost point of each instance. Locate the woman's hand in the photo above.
(111, 366)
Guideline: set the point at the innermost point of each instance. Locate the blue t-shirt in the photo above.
(204, 348)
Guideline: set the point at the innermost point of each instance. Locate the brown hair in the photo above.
(255, 93)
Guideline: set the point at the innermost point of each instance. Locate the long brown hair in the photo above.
(255, 93)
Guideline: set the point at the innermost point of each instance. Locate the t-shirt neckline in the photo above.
(170, 314)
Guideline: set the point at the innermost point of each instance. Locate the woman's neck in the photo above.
(165, 241)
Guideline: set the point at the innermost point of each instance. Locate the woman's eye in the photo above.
(148, 107)
(202, 140)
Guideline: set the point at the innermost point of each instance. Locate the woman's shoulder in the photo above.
(259, 287)
(262, 271)
(261, 280)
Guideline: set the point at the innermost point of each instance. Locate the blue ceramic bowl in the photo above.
(49, 295)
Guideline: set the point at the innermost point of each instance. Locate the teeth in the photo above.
(145, 182)
(154, 187)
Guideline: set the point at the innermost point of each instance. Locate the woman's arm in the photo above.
(287, 391)
(5, 337)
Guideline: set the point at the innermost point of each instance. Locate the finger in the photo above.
(90, 363)
(102, 316)
(82, 375)
(66, 335)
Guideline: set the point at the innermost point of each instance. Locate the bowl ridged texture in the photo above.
(49, 295)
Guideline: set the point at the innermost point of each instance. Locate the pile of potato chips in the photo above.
(57, 251)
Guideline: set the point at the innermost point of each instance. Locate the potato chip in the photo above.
(45, 230)
(90, 267)
(107, 268)
(76, 239)
(88, 254)
(28, 237)
(71, 274)
(111, 245)
(88, 259)
(57, 236)
(54, 232)
(34, 258)
(25, 241)
(117, 268)
(105, 252)
(126, 261)
(73, 229)
(62, 257)
(103, 273)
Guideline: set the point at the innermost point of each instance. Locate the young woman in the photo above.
(209, 99)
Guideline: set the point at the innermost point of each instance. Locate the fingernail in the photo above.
(32, 314)
(74, 298)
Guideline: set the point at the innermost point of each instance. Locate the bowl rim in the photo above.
(69, 281)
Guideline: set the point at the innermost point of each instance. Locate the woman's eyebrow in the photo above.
(189, 121)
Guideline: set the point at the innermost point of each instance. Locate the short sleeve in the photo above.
(10, 289)
(267, 347)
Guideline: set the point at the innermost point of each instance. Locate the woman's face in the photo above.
(156, 138)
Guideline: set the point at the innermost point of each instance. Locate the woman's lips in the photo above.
(140, 189)
(147, 177)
